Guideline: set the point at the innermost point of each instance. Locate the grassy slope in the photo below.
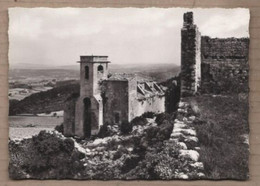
(47, 101)
(223, 120)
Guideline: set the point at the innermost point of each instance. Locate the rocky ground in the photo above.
(184, 134)
(158, 147)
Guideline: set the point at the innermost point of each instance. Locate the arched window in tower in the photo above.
(100, 68)
(86, 72)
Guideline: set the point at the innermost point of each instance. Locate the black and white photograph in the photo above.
(128, 93)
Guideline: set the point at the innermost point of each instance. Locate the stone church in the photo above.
(106, 99)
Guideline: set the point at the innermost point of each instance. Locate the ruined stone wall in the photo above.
(227, 49)
(115, 101)
(224, 65)
(132, 98)
(138, 106)
(154, 104)
(190, 56)
(69, 116)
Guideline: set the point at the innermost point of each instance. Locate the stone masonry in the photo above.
(211, 64)
(190, 56)
(106, 99)
(185, 136)
(224, 64)
(207, 65)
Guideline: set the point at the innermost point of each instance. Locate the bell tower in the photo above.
(93, 69)
(89, 107)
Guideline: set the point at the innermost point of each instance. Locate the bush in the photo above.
(165, 130)
(140, 120)
(117, 155)
(67, 145)
(151, 132)
(45, 156)
(103, 132)
(161, 117)
(130, 163)
(112, 144)
(148, 115)
(60, 128)
(107, 130)
(157, 165)
(49, 144)
(126, 127)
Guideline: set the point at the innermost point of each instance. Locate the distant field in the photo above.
(38, 122)
(21, 133)
(21, 93)
(19, 125)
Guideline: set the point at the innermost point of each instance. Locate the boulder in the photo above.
(182, 145)
(181, 175)
(189, 154)
(190, 132)
(197, 165)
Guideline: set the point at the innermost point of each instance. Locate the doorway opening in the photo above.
(87, 117)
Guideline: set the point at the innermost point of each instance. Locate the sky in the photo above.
(57, 37)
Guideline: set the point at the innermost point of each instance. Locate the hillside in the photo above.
(44, 102)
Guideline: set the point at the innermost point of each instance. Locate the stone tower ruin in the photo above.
(190, 56)
(89, 107)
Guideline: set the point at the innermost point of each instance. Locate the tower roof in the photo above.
(93, 59)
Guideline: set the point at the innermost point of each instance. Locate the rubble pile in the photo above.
(185, 136)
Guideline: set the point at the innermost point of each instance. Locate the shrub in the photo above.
(126, 127)
(112, 144)
(148, 115)
(151, 132)
(161, 117)
(157, 165)
(165, 130)
(103, 132)
(60, 128)
(140, 120)
(45, 156)
(67, 145)
(117, 155)
(108, 130)
(130, 163)
(49, 144)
